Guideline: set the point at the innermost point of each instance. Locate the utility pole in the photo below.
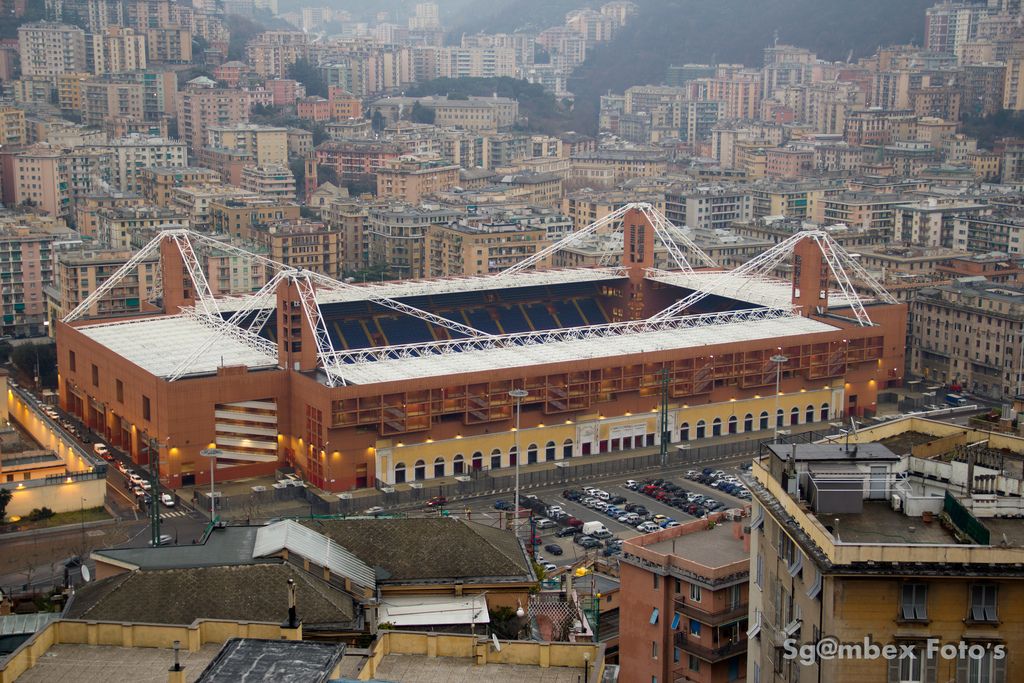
(518, 395)
(779, 361)
(666, 436)
(154, 502)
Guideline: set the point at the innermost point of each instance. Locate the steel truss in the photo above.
(662, 228)
(303, 281)
(759, 269)
(340, 359)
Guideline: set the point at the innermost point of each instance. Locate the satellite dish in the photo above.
(86, 575)
(497, 643)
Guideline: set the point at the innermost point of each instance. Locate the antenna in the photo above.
(497, 643)
(86, 574)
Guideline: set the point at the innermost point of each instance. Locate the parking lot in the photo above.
(485, 512)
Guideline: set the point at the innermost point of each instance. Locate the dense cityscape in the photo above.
(562, 342)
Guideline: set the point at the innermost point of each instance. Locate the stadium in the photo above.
(389, 383)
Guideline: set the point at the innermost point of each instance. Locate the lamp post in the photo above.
(778, 359)
(212, 454)
(83, 526)
(518, 395)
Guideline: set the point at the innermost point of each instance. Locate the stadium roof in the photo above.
(763, 291)
(411, 288)
(384, 367)
(159, 345)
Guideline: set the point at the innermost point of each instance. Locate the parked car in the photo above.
(502, 505)
(588, 542)
(165, 539)
(549, 566)
(554, 549)
(437, 501)
(617, 500)
(374, 511)
(167, 500)
(100, 450)
(554, 510)
(574, 522)
(647, 527)
(566, 531)
(583, 538)
(632, 484)
(545, 523)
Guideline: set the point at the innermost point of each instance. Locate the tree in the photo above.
(326, 174)
(5, 350)
(421, 114)
(377, 121)
(242, 30)
(5, 498)
(309, 74)
(27, 357)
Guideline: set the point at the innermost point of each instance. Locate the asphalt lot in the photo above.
(482, 509)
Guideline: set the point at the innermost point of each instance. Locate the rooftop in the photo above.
(231, 545)
(879, 523)
(159, 345)
(402, 668)
(105, 664)
(713, 547)
(283, 661)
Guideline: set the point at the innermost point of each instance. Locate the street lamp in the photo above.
(518, 395)
(212, 454)
(779, 360)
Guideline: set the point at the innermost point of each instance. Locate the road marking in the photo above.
(95, 532)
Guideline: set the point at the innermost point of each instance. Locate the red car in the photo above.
(437, 501)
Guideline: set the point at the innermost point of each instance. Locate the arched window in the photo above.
(439, 467)
(531, 454)
(549, 451)
(810, 414)
(513, 456)
(732, 424)
(748, 423)
(716, 427)
(567, 449)
(824, 412)
(478, 461)
(684, 432)
(794, 416)
(458, 464)
(400, 473)
(700, 429)
(780, 418)
(419, 470)
(496, 459)
(764, 419)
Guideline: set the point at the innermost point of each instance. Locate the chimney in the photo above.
(292, 628)
(176, 674)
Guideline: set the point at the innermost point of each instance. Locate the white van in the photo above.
(596, 529)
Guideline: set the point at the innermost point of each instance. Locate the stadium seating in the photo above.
(405, 330)
(592, 311)
(352, 333)
(513, 320)
(480, 319)
(568, 314)
(539, 315)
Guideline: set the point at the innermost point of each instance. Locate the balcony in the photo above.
(725, 649)
(691, 609)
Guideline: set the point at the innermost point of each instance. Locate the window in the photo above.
(655, 581)
(694, 592)
(531, 453)
(119, 385)
(496, 459)
(693, 663)
(549, 451)
(911, 669)
(987, 669)
(145, 407)
(654, 649)
(764, 419)
(95, 376)
(716, 427)
(654, 616)
(458, 464)
(419, 470)
(439, 467)
(71, 361)
(694, 627)
(700, 429)
(983, 602)
(400, 473)
(567, 449)
(677, 654)
(759, 574)
(914, 602)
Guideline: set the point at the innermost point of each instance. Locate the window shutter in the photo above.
(931, 672)
(894, 670)
(998, 670)
(961, 669)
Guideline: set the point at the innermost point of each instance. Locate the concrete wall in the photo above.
(61, 496)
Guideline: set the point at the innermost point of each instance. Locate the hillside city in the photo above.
(287, 292)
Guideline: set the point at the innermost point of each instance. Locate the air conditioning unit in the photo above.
(897, 503)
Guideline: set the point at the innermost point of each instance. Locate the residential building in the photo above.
(200, 108)
(132, 156)
(344, 105)
(991, 231)
(607, 167)
(129, 227)
(51, 178)
(707, 207)
(115, 50)
(931, 223)
(271, 53)
(265, 145)
(479, 249)
(686, 589)
(299, 243)
(852, 540)
(12, 126)
(50, 49)
(79, 272)
(158, 183)
(86, 220)
(352, 159)
(300, 142)
(194, 201)
(866, 210)
(588, 206)
(28, 250)
(313, 109)
(169, 45)
(410, 179)
(104, 100)
(396, 236)
(269, 181)
(243, 216)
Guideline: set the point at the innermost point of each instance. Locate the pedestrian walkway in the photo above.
(176, 513)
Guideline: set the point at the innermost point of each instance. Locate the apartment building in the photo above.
(351, 159)
(866, 210)
(12, 126)
(104, 100)
(410, 179)
(271, 53)
(169, 45)
(932, 223)
(195, 201)
(265, 145)
(395, 236)
(129, 227)
(241, 217)
(476, 113)
(587, 206)
(705, 207)
(615, 166)
(159, 182)
(132, 156)
(116, 49)
(686, 589)
(86, 220)
(863, 543)
(999, 230)
(51, 178)
(28, 248)
(200, 108)
(269, 181)
(81, 271)
(49, 49)
(300, 243)
(479, 249)
(344, 105)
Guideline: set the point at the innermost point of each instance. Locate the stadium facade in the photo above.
(380, 384)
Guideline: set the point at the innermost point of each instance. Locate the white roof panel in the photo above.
(763, 291)
(295, 538)
(158, 345)
(489, 359)
(430, 610)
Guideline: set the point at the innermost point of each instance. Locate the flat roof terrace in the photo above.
(715, 547)
(106, 664)
(401, 668)
(879, 523)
